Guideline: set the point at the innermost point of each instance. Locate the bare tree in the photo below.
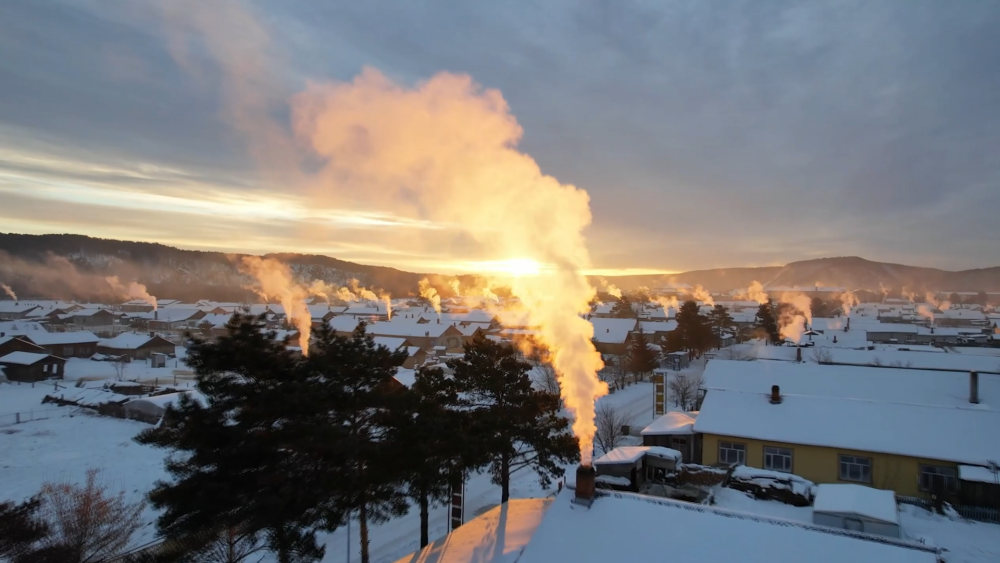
(545, 378)
(87, 522)
(609, 421)
(684, 392)
(120, 364)
(876, 361)
(822, 356)
(614, 372)
(231, 546)
(901, 364)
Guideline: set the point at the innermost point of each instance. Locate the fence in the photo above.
(978, 513)
(13, 418)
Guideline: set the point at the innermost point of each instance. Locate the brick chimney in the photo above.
(798, 354)
(586, 477)
(974, 387)
(775, 395)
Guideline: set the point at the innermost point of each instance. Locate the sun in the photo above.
(520, 267)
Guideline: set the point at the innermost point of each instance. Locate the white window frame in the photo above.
(852, 460)
(738, 447)
(950, 475)
(773, 453)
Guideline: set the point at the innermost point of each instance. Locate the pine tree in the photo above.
(359, 381)
(721, 321)
(818, 308)
(641, 359)
(695, 330)
(765, 321)
(21, 528)
(243, 463)
(519, 426)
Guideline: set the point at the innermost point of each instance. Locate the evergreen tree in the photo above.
(519, 426)
(244, 464)
(21, 529)
(432, 429)
(955, 298)
(641, 359)
(359, 385)
(766, 322)
(623, 309)
(695, 332)
(721, 321)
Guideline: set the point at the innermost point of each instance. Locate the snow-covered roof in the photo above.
(625, 527)
(87, 313)
(663, 453)
(873, 383)
(23, 358)
(217, 320)
(170, 399)
(390, 342)
(769, 478)
(977, 474)
(910, 356)
(169, 314)
(928, 432)
(657, 326)
(876, 504)
(406, 376)
(622, 454)
(21, 328)
(127, 341)
(10, 306)
(409, 330)
(471, 316)
(670, 424)
(55, 338)
(343, 323)
(611, 330)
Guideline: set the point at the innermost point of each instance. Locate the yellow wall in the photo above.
(821, 465)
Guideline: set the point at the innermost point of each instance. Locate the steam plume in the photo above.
(131, 291)
(611, 289)
(701, 294)
(55, 276)
(455, 287)
(756, 292)
(275, 279)
(668, 303)
(329, 292)
(795, 319)
(6, 289)
(431, 295)
(848, 300)
(446, 150)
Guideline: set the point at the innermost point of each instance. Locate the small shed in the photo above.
(857, 508)
(676, 361)
(636, 463)
(675, 430)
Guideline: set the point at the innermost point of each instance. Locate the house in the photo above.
(675, 430)
(136, 345)
(76, 344)
(137, 306)
(627, 527)
(15, 310)
(94, 319)
(858, 508)
(170, 318)
(613, 336)
(27, 366)
(17, 343)
(414, 354)
(425, 336)
(656, 331)
(912, 449)
(632, 466)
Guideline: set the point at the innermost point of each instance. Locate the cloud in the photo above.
(706, 134)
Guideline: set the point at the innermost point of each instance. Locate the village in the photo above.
(869, 430)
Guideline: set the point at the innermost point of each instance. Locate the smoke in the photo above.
(756, 293)
(455, 287)
(883, 290)
(55, 276)
(431, 295)
(926, 311)
(610, 289)
(795, 317)
(848, 300)
(701, 294)
(6, 289)
(942, 305)
(275, 279)
(131, 291)
(445, 151)
(668, 303)
(329, 292)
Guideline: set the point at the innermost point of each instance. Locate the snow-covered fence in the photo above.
(10, 419)
(978, 513)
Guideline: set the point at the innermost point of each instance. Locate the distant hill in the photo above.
(178, 274)
(851, 272)
(189, 274)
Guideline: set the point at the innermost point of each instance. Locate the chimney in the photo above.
(156, 315)
(586, 477)
(152, 334)
(608, 330)
(798, 354)
(932, 330)
(974, 387)
(775, 395)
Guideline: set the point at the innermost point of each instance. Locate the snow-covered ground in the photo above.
(964, 541)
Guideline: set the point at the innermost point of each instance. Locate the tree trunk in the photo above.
(363, 525)
(504, 478)
(424, 517)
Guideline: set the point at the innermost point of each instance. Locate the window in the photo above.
(778, 459)
(934, 478)
(732, 453)
(856, 468)
(67, 350)
(45, 368)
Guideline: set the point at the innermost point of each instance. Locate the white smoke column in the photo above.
(924, 311)
(131, 291)
(701, 294)
(848, 300)
(6, 289)
(445, 151)
(756, 292)
(942, 305)
(668, 303)
(793, 323)
(362, 293)
(275, 279)
(431, 295)
(319, 288)
(610, 289)
(384, 297)
(455, 287)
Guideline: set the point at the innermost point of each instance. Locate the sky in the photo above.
(707, 134)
